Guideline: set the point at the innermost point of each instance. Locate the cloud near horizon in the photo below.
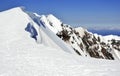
(102, 27)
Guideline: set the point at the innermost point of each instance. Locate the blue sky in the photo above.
(98, 14)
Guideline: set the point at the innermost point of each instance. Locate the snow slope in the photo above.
(21, 55)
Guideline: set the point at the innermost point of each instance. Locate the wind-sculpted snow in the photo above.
(42, 23)
(31, 30)
(36, 19)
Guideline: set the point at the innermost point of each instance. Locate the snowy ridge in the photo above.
(46, 36)
(28, 47)
(110, 37)
(83, 42)
(53, 21)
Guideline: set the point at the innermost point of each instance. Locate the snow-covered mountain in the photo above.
(30, 46)
(84, 43)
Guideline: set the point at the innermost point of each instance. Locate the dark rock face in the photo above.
(116, 44)
(64, 35)
(106, 54)
(88, 44)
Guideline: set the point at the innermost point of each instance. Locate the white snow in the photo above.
(81, 31)
(110, 37)
(56, 23)
(20, 55)
(52, 23)
(44, 19)
(107, 37)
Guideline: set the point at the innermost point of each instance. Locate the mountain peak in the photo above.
(52, 18)
(13, 10)
(51, 15)
(54, 22)
(18, 8)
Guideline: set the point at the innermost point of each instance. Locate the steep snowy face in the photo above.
(54, 22)
(9, 21)
(49, 21)
(28, 26)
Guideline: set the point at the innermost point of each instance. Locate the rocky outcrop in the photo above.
(87, 44)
